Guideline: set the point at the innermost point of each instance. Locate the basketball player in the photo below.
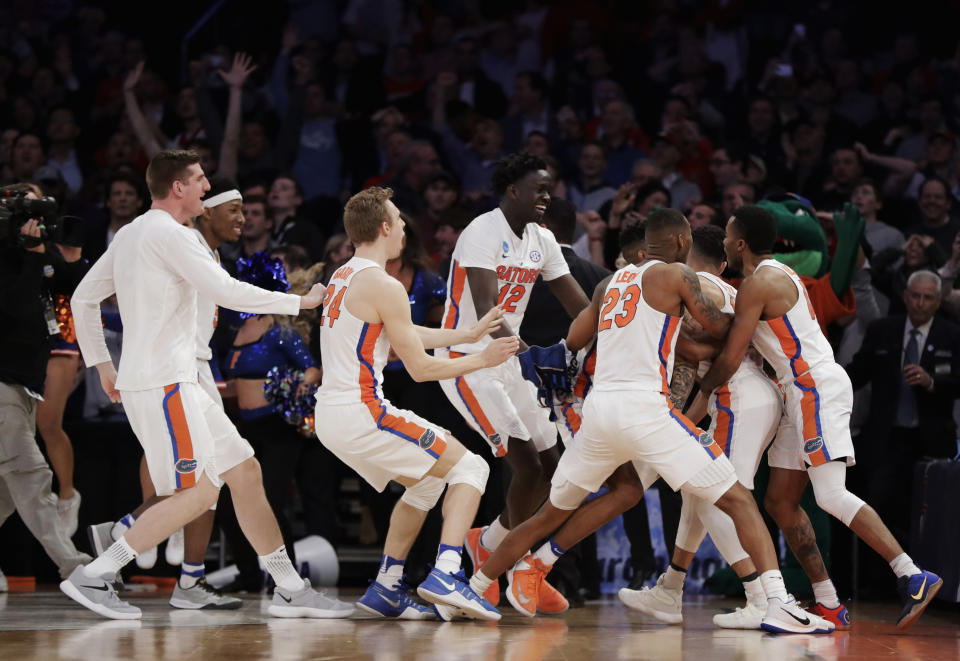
(628, 417)
(496, 261)
(365, 313)
(813, 442)
(745, 414)
(156, 266)
(220, 222)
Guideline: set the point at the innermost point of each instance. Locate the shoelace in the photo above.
(209, 589)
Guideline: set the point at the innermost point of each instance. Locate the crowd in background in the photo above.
(696, 106)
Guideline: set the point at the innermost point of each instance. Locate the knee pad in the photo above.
(424, 494)
(722, 531)
(830, 490)
(565, 495)
(690, 531)
(471, 469)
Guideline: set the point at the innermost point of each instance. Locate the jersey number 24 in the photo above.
(333, 312)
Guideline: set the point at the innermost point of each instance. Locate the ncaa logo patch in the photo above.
(706, 440)
(427, 439)
(506, 248)
(186, 465)
(535, 256)
(813, 445)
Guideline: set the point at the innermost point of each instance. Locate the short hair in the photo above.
(925, 275)
(758, 228)
(42, 139)
(365, 212)
(166, 167)
(561, 219)
(708, 243)
(513, 168)
(595, 143)
(867, 181)
(290, 177)
(649, 189)
(262, 200)
(937, 179)
(537, 132)
(128, 177)
(633, 234)
(294, 256)
(661, 220)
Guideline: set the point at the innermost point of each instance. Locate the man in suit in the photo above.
(126, 193)
(912, 362)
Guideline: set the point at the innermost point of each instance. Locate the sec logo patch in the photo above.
(535, 256)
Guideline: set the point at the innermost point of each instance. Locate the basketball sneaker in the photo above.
(839, 615)
(788, 617)
(173, 553)
(523, 585)
(916, 592)
(307, 602)
(204, 596)
(396, 603)
(478, 556)
(658, 602)
(748, 617)
(97, 595)
(550, 601)
(453, 590)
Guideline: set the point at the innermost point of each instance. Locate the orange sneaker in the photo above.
(478, 556)
(524, 585)
(550, 601)
(839, 615)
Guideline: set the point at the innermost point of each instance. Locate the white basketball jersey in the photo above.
(489, 243)
(635, 343)
(747, 366)
(354, 351)
(793, 343)
(207, 311)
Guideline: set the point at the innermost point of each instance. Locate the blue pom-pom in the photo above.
(264, 271)
(280, 389)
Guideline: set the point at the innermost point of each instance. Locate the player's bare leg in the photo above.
(782, 502)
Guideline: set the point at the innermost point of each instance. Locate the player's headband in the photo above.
(222, 198)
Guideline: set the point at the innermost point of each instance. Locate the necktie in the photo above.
(907, 409)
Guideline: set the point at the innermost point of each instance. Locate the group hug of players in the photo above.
(648, 330)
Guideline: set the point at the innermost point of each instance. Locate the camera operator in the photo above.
(32, 273)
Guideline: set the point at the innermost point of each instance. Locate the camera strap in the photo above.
(49, 309)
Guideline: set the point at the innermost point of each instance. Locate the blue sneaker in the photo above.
(453, 590)
(916, 592)
(384, 602)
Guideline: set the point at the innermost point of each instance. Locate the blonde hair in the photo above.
(365, 212)
(300, 283)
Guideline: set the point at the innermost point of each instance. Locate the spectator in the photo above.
(472, 86)
(537, 144)
(879, 234)
(912, 361)
(442, 194)
(893, 267)
(449, 227)
(703, 214)
(419, 162)
(931, 120)
(530, 112)
(336, 253)
(734, 196)
(62, 132)
(126, 194)
(727, 166)
(255, 236)
(667, 155)
(846, 171)
(28, 154)
(284, 201)
(935, 219)
(589, 190)
(616, 125)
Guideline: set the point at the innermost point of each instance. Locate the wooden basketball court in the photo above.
(46, 625)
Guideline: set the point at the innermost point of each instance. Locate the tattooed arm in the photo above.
(701, 307)
(681, 383)
(750, 304)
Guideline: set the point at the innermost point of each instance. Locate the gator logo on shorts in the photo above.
(706, 440)
(427, 439)
(494, 438)
(186, 465)
(813, 444)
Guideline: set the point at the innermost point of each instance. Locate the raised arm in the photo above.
(141, 127)
(393, 306)
(583, 328)
(242, 68)
(750, 302)
(483, 288)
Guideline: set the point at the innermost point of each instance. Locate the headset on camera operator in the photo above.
(32, 273)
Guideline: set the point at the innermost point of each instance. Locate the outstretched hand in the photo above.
(489, 323)
(312, 298)
(242, 67)
(500, 350)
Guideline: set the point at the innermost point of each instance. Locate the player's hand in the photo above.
(489, 323)
(499, 351)
(917, 376)
(108, 380)
(312, 298)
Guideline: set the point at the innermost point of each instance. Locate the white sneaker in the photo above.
(748, 617)
(659, 602)
(173, 553)
(147, 559)
(788, 617)
(69, 511)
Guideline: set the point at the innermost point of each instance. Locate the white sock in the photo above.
(284, 574)
(479, 582)
(190, 573)
(754, 591)
(448, 558)
(493, 535)
(773, 587)
(549, 553)
(391, 572)
(112, 560)
(674, 578)
(902, 565)
(121, 527)
(826, 594)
